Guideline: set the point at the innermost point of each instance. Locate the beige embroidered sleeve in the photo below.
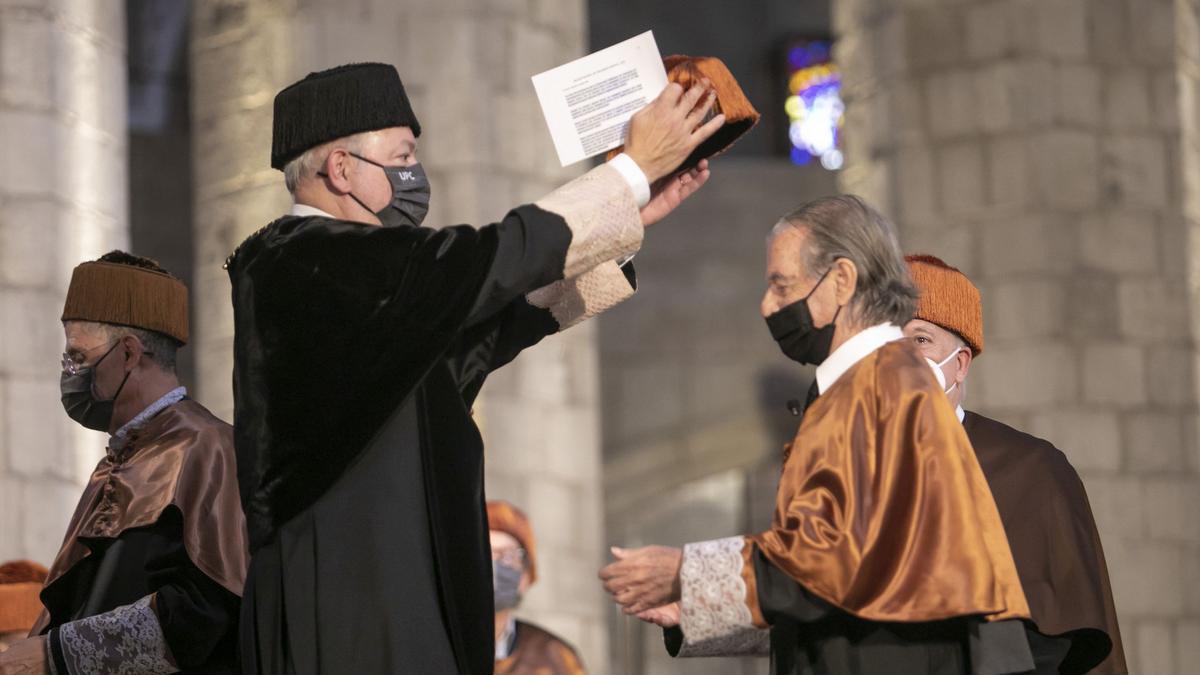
(603, 217)
(716, 616)
(571, 301)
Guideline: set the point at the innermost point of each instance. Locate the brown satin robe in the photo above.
(882, 508)
(1054, 541)
(182, 457)
(539, 652)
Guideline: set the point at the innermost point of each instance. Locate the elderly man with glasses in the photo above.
(149, 578)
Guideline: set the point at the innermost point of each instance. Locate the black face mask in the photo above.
(410, 194)
(79, 400)
(792, 328)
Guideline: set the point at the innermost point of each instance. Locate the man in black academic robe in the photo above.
(360, 348)
(150, 573)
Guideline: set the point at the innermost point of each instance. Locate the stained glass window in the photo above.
(814, 104)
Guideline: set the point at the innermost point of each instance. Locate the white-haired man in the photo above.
(361, 341)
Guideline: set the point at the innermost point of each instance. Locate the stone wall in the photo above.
(1038, 146)
(466, 66)
(63, 199)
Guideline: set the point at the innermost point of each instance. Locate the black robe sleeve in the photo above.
(491, 344)
(337, 323)
(197, 616)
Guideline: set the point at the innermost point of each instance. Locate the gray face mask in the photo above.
(410, 194)
(506, 586)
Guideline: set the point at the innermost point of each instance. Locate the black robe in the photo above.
(197, 615)
(359, 351)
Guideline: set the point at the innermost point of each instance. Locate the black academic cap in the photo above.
(336, 103)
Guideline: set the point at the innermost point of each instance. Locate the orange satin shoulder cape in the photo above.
(882, 508)
(539, 652)
(183, 457)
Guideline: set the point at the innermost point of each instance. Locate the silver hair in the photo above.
(845, 226)
(307, 164)
(162, 349)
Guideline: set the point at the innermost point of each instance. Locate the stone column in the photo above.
(1037, 145)
(466, 66)
(63, 199)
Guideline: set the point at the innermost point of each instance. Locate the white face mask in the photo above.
(937, 370)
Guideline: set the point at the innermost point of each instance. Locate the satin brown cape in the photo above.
(539, 652)
(882, 508)
(1054, 541)
(184, 458)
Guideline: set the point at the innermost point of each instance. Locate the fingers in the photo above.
(690, 188)
(692, 96)
(707, 130)
(697, 115)
(671, 94)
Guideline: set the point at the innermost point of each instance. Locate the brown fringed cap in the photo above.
(128, 290)
(948, 299)
(740, 114)
(504, 517)
(20, 583)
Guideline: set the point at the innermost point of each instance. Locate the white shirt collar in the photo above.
(858, 347)
(504, 645)
(961, 414)
(305, 211)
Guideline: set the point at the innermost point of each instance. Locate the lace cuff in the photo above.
(602, 215)
(715, 618)
(574, 300)
(126, 641)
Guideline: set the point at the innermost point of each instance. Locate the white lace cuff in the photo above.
(602, 215)
(714, 617)
(574, 300)
(126, 641)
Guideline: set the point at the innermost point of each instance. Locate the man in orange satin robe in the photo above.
(886, 553)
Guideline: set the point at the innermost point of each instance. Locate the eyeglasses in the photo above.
(511, 557)
(71, 365)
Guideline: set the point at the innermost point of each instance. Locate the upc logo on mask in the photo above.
(406, 175)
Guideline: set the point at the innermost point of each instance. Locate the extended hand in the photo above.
(666, 616)
(643, 578)
(26, 657)
(671, 191)
(664, 133)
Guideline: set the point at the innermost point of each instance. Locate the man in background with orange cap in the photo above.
(1041, 500)
(150, 573)
(521, 647)
(20, 581)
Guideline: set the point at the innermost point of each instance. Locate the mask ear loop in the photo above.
(358, 201)
(97, 365)
(947, 360)
(814, 290)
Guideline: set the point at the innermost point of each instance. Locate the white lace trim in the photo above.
(126, 641)
(714, 616)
